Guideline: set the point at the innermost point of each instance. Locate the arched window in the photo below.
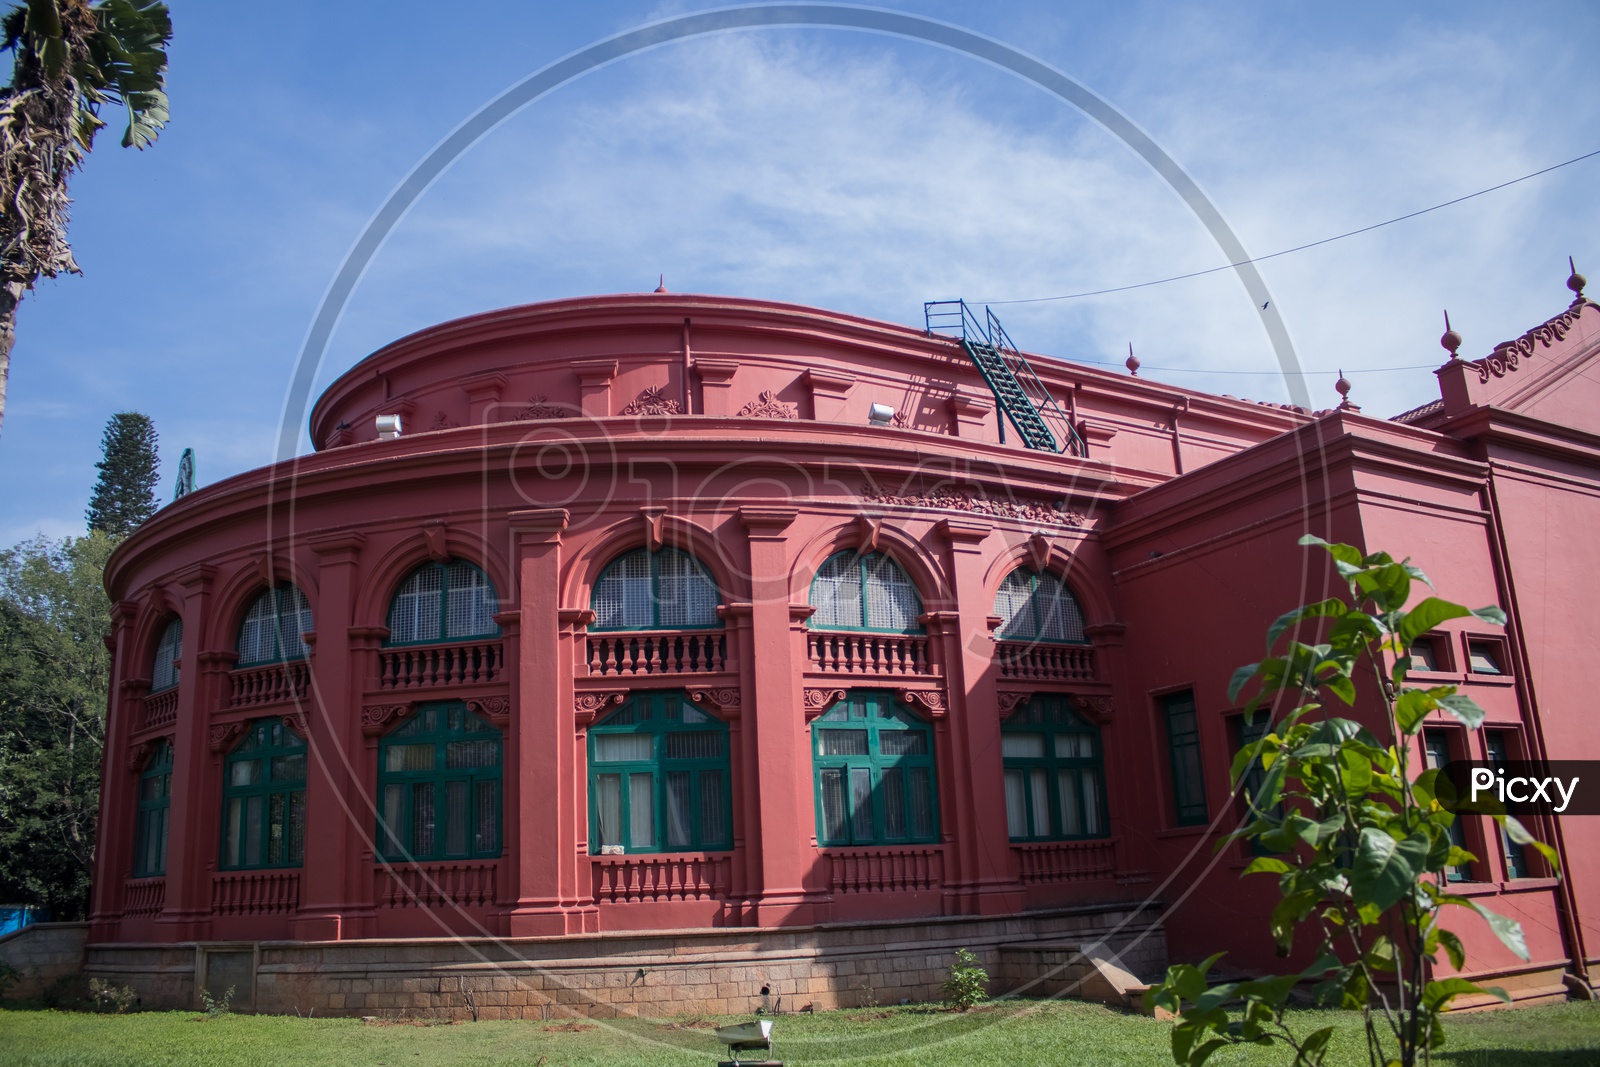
(443, 602)
(155, 801)
(659, 779)
(1055, 781)
(273, 625)
(439, 786)
(1037, 607)
(864, 591)
(264, 799)
(661, 590)
(164, 672)
(874, 774)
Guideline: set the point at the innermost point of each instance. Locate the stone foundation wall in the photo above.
(41, 954)
(649, 974)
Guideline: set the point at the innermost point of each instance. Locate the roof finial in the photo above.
(1575, 281)
(1132, 362)
(1451, 340)
(1343, 386)
(662, 287)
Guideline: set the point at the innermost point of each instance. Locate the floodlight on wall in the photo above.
(388, 427)
(880, 414)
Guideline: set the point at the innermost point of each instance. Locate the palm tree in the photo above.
(72, 59)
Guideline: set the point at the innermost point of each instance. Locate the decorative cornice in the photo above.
(652, 400)
(587, 707)
(768, 406)
(299, 721)
(725, 701)
(1507, 355)
(818, 701)
(932, 700)
(574, 616)
(539, 407)
(221, 735)
(139, 754)
(964, 533)
(376, 718)
(947, 500)
(1100, 709)
(1008, 702)
(497, 709)
(547, 521)
(767, 521)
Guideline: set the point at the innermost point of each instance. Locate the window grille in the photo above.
(155, 804)
(264, 799)
(662, 590)
(272, 627)
(1054, 773)
(659, 779)
(1038, 607)
(873, 771)
(450, 601)
(169, 650)
(1183, 747)
(864, 591)
(439, 776)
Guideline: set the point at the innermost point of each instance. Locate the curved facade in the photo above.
(641, 623)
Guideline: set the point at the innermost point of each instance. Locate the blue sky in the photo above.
(834, 168)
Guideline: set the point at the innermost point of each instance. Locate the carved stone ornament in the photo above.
(1098, 708)
(539, 407)
(868, 533)
(1039, 552)
(724, 700)
(376, 718)
(1009, 702)
(222, 734)
(299, 722)
(932, 700)
(1507, 354)
(818, 701)
(652, 401)
(496, 709)
(588, 706)
(434, 534)
(138, 755)
(442, 421)
(768, 406)
(948, 500)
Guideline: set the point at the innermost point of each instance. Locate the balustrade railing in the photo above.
(272, 683)
(468, 884)
(431, 666)
(255, 892)
(1067, 861)
(637, 652)
(1033, 661)
(633, 879)
(847, 652)
(885, 870)
(144, 896)
(158, 709)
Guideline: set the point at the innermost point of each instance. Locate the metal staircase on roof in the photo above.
(1040, 423)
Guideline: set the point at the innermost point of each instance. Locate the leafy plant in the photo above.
(968, 982)
(107, 996)
(1358, 844)
(216, 1007)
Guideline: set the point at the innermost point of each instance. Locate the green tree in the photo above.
(71, 59)
(1359, 846)
(53, 675)
(125, 493)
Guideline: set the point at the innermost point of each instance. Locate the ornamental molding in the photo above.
(1055, 514)
(1098, 708)
(299, 722)
(652, 401)
(376, 718)
(768, 406)
(1009, 702)
(539, 407)
(932, 701)
(1508, 355)
(222, 734)
(587, 707)
(139, 754)
(442, 421)
(497, 709)
(724, 701)
(818, 701)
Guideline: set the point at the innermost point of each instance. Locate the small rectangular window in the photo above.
(1484, 657)
(1436, 753)
(1424, 655)
(1183, 740)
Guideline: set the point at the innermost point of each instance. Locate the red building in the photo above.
(682, 624)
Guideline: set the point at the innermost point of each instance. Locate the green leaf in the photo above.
(1464, 708)
(1313, 1048)
(1241, 678)
(1385, 869)
(1425, 616)
(1266, 865)
(1355, 772)
(1411, 709)
(1519, 833)
(1509, 931)
(1453, 948)
(1435, 995)
(1491, 614)
(1333, 607)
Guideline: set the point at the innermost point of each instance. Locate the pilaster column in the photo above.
(332, 746)
(113, 855)
(981, 880)
(194, 817)
(594, 386)
(772, 712)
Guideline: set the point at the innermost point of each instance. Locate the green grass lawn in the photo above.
(1012, 1033)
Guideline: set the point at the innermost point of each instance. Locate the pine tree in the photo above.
(125, 494)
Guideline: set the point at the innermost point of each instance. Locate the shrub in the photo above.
(968, 981)
(216, 1007)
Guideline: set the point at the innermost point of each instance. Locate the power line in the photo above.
(1296, 248)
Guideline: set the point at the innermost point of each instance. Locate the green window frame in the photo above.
(1499, 754)
(1054, 768)
(873, 773)
(169, 650)
(1436, 755)
(864, 591)
(662, 590)
(439, 786)
(659, 779)
(270, 632)
(1038, 607)
(438, 602)
(155, 806)
(1183, 749)
(264, 799)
